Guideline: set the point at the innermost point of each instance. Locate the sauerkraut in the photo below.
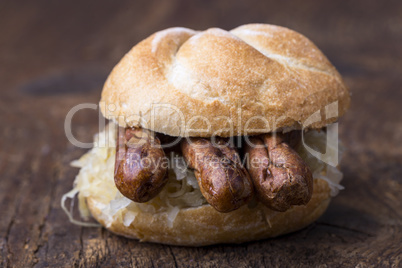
(96, 178)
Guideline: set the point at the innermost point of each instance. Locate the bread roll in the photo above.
(257, 78)
(254, 79)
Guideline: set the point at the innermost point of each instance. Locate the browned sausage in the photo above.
(141, 166)
(223, 181)
(280, 176)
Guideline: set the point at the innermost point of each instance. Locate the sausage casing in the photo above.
(223, 181)
(141, 165)
(281, 178)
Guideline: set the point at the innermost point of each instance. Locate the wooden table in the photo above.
(57, 54)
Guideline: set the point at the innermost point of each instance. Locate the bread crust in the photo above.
(205, 226)
(257, 78)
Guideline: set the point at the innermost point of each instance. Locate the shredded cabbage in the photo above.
(96, 178)
(319, 167)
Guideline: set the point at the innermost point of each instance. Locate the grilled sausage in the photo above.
(141, 166)
(280, 176)
(223, 181)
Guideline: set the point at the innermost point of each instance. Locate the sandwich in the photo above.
(214, 137)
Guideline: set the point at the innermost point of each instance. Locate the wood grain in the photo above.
(56, 54)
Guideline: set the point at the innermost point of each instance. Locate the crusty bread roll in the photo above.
(255, 70)
(161, 84)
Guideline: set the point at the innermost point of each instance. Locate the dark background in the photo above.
(57, 54)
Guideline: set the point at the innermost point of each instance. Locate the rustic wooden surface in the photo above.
(56, 54)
